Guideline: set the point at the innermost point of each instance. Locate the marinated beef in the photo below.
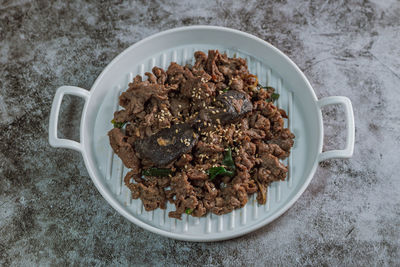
(187, 122)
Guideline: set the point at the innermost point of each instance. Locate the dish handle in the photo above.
(55, 110)
(347, 152)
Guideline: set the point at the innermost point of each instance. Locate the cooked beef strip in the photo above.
(124, 150)
(214, 105)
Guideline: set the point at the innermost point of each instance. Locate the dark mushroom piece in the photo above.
(166, 145)
(230, 107)
(234, 105)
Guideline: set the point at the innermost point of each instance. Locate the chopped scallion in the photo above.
(160, 172)
(118, 124)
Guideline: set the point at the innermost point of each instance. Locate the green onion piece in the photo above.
(118, 124)
(275, 96)
(188, 211)
(228, 160)
(160, 172)
(226, 89)
(215, 171)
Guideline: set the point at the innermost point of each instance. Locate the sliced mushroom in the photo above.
(233, 106)
(166, 145)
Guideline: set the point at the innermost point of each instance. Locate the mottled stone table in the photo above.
(50, 211)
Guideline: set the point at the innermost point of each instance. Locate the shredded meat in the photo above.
(124, 150)
(185, 119)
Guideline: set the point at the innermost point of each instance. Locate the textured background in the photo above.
(50, 211)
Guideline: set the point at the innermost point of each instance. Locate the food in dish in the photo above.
(203, 137)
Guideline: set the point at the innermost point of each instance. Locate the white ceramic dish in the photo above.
(268, 63)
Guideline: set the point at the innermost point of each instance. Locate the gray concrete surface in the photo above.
(51, 213)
